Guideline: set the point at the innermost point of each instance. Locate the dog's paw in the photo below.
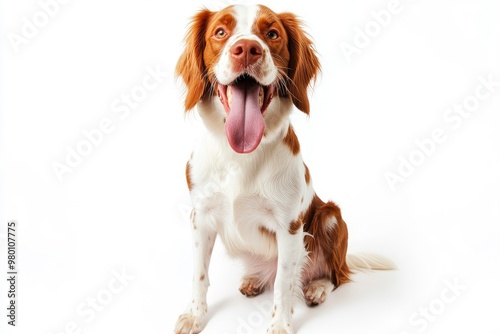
(251, 286)
(280, 328)
(188, 323)
(316, 292)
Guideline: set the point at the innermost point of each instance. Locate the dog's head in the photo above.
(256, 61)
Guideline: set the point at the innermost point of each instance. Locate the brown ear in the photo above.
(303, 65)
(190, 66)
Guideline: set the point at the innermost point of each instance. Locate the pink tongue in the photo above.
(245, 123)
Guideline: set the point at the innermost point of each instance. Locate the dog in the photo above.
(245, 68)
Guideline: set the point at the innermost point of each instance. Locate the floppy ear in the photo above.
(190, 66)
(303, 65)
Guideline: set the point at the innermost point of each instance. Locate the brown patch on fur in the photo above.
(266, 21)
(267, 233)
(295, 226)
(307, 175)
(188, 176)
(329, 242)
(292, 141)
(303, 65)
(190, 66)
(202, 277)
(226, 20)
(202, 51)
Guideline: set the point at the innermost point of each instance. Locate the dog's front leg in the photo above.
(291, 255)
(193, 320)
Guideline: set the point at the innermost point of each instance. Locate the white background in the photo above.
(123, 208)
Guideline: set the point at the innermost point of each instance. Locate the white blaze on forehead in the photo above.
(245, 19)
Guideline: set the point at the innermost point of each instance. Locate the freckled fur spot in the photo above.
(202, 277)
(188, 176)
(291, 141)
(307, 175)
(193, 219)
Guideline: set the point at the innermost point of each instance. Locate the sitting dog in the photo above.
(245, 68)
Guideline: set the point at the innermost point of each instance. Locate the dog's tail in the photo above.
(367, 262)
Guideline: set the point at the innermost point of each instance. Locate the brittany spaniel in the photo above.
(245, 68)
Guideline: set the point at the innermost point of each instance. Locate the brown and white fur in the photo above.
(253, 189)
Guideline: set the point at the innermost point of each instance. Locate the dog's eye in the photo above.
(220, 33)
(272, 34)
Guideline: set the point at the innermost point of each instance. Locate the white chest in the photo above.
(246, 198)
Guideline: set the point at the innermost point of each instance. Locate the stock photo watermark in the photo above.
(363, 36)
(122, 107)
(421, 319)
(88, 310)
(12, 272)
(32, 25)
(255, 319)
(453, 118)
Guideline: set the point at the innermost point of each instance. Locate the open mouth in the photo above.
(245, 102)
(244, 81)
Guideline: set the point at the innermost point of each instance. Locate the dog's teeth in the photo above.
(261, 96)
(229, 94)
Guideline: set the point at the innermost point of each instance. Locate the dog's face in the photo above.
(253, 62)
